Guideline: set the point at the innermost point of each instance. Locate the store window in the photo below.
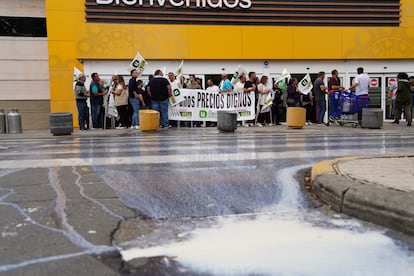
(23, 26)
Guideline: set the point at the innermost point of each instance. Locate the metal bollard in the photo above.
(14, 121)
(2, 121)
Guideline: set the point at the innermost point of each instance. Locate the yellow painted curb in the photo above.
(329, 166)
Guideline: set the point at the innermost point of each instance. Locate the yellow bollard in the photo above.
(149, 120)
(296, 117)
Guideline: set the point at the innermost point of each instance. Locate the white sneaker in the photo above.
(259, 125)
(310, 123)
(137, 127)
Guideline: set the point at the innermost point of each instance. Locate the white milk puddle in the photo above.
(290, 241)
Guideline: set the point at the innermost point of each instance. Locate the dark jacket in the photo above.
(403, 92)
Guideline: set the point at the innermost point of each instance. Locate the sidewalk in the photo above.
(45, 133)
(376, 189)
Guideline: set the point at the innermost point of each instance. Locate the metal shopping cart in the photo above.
(345, 108)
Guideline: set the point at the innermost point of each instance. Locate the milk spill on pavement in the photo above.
(286, 239)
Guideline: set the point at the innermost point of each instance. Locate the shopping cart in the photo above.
(345, 107)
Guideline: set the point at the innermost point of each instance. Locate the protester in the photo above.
(250, 85)
(319, 89)
(306, 101)
(239, 86)
(263, 91)
(293, 94)
(182, 82)
(121, 100)
(211, 87)
(173, 81)
(81, 96)
(160, 90)
(96, 97)
(193, 84)
(277, 107)
(225, 84)
(135, 98)
(403, 99)
(145, 94)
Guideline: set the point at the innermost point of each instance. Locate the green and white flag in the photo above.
(237, 74)
(179, 70)
(305, 85)
(285, 75)
(138, 63)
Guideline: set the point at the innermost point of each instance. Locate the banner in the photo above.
(201, 105)
(268, 103)
(305, 85)
(138, 63)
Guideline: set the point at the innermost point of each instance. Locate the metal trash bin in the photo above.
(2, 121)
(14, 121)
(61, 123)
(226, 121)
(372, 118)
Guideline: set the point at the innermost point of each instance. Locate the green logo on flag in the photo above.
(305, 82)
(135, 63)
(176, 92)
(203, 114)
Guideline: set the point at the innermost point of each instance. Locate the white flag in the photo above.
(305, 85)
(268, 103)
(179, 71)
(138, 63)
(76, 73)
(285, 75)
(237, 74)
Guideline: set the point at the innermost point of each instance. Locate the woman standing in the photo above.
(403, 99)
(121, 100)
(293, 96)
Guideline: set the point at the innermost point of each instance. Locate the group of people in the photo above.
(129, 99)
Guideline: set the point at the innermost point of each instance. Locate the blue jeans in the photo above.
(135, 115)
(162, 108)
(83, 114)
(96, 112)
(321, 111)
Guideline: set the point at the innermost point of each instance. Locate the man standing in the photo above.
(319, 89)
(250, 86)
(173, 81)
(211, 87)
(135, 98)
(361, 85)
(193, 83)
(81, 96)
(160, 90)
(334, 83)
(225, 85)
(97, 94)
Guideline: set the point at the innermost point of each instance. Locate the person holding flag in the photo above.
(306, 98)
(263, 91)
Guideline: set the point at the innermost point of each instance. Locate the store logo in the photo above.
(231, 4)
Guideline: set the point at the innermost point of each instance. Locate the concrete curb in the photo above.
(368, 201)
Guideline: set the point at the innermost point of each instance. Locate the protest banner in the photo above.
(202, 105)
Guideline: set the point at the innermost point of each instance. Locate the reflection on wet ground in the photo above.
(217, 204)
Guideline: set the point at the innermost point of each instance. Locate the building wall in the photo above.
(72, 39)
(24, 68)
